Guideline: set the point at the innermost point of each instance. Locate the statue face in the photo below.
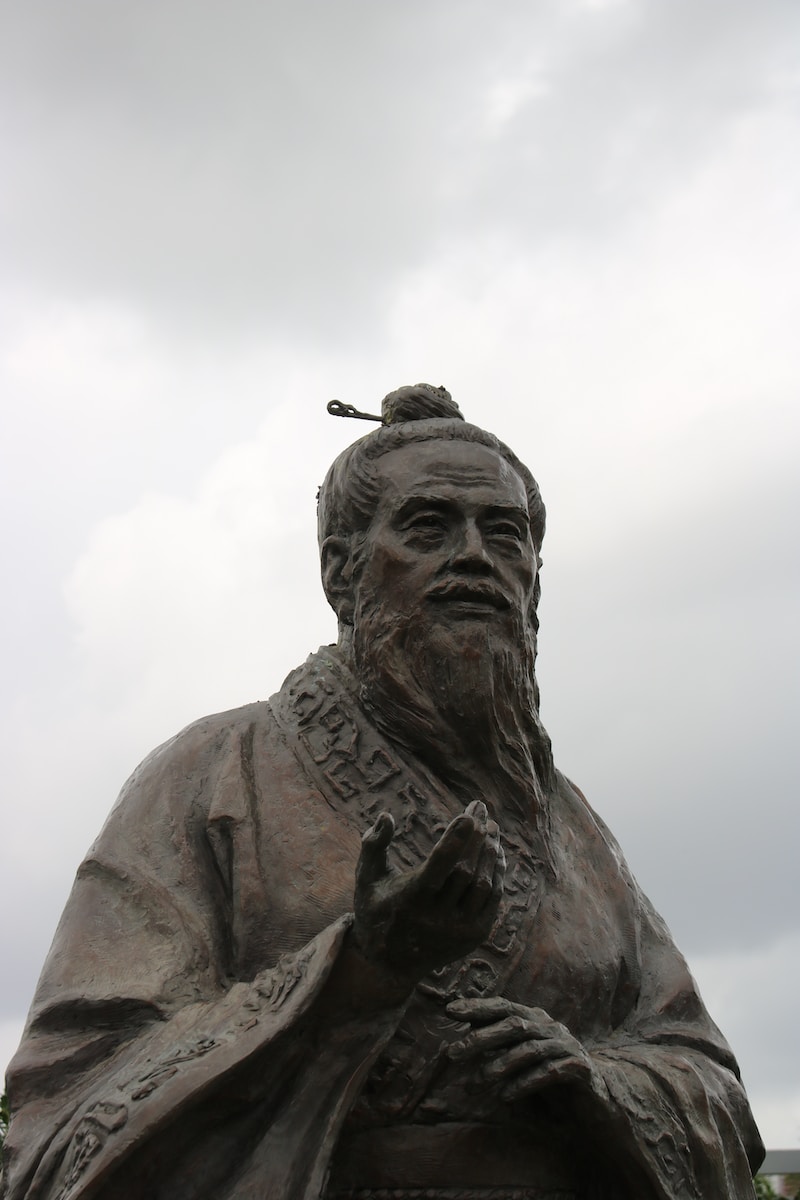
(450, 539)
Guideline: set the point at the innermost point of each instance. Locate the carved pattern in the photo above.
(91, 1134)
(269, 992)
(346, 759)
(501, 1193)
(274, 986)
(168, 1067)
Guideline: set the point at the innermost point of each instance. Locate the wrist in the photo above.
(362, 982)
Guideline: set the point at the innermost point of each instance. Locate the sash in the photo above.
(360, 774)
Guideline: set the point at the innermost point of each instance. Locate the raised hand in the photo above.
(523, 1049)
(413, 922)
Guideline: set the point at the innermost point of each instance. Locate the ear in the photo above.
(337, 577)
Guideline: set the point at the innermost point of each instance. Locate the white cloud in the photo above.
(593, 243)
(229, 568)
(507, 96)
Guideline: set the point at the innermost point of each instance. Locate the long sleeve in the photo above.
(672, 1087)
(155, 1063)
(668, 1094)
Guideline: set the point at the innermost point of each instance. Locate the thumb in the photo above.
(372, 864)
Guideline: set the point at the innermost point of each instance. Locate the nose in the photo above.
(470, 553)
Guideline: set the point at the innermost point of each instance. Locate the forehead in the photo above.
(450, 469)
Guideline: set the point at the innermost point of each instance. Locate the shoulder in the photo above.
(181, 775)
(582, 816)
(570, 798)
(206, 736)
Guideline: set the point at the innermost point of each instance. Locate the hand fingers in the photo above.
(454, 846)
(455, 876)
(474, 870)
(485, 1009)
(498, 879)
(486, 886)
(372, 864)
(513, 1029)
(575, 1069)
(474, 819)
(529, 1055)
(478, 810)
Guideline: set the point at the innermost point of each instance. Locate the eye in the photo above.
(427, 521)
(425, 528)
(506, 529)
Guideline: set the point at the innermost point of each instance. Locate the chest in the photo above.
(565, 939)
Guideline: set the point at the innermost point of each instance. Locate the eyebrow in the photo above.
(411, 504)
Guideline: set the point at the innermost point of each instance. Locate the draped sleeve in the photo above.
(156, 1062)
(669, 1096)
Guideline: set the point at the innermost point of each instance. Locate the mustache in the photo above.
(475, 590)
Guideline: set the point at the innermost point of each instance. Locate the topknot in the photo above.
(419, 402)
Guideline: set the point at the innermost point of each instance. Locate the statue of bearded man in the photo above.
(363, 940)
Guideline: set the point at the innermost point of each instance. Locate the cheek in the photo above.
(525, 588)
(523, 572)
(392, 570)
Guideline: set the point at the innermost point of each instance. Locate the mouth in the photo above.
(474, 595)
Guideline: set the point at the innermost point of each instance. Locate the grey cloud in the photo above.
(284, 174)
(634, 99)
(238, 161)
(280, 166)
(669, 660)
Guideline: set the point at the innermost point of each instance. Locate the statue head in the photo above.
(350, 494)
(430, 530)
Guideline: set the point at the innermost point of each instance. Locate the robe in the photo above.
(182, 1043)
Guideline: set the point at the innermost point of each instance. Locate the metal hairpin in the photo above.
(337, 409)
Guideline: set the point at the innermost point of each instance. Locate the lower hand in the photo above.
(524, 1050)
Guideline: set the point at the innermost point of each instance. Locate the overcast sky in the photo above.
(582, 217)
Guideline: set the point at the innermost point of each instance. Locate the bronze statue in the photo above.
(363, 940)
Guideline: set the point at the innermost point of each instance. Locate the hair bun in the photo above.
(419, 402)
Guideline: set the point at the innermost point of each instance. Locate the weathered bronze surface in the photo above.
(364, 940)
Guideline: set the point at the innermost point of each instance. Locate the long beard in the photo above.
(464, 699)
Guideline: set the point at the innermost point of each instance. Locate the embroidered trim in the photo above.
(501, 1193)
(168, 1067)
(91, 1134)
(347, 760)
(269, 992)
